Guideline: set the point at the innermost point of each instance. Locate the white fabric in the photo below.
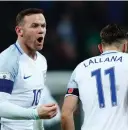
(28, 76)
(109, 72)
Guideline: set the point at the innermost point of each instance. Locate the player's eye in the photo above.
(34, 25)
(43, 25)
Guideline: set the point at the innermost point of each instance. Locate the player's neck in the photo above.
(32, 54)
(111, 49)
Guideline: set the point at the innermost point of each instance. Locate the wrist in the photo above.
(35, 114)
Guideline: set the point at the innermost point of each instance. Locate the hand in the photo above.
(47, 111)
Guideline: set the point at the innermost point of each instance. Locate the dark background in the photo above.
(72, 27)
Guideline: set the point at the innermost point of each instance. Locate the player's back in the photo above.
(103, 89)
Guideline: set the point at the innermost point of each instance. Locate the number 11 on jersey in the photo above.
(111, 73)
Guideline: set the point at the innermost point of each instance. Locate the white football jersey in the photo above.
(102, 83)
(28, 78)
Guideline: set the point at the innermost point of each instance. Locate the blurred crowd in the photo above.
(72, 27)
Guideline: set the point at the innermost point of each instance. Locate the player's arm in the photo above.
(70, 104)
(12, 111)
(8, 74)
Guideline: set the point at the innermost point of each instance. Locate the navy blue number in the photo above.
(37, 94)
(111, 73)
(97, 74)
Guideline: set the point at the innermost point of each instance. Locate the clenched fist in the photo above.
(47, 111)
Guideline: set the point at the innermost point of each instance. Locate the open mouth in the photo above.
(40, 39)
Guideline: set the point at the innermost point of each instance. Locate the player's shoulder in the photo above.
(9, 56)
(83, 64)
(79, 68)
(125, 54)
(125, 57)
(91, 58)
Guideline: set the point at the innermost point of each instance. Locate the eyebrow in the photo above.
(39, 23)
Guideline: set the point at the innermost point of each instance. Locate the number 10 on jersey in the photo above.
(111, 73)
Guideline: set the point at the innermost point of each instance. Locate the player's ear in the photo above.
(124, 49)
(19, 31)
(100, 47)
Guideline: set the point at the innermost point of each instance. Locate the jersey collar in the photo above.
(20, 50)
(109, 52)
(17, 45)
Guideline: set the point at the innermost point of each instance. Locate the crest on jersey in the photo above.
(5, 75)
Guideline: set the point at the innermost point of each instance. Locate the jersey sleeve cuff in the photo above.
(35, 114)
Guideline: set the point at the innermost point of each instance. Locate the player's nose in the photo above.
(41, 30)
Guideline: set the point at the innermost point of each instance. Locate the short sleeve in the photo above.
(8, 73)
(72, 87)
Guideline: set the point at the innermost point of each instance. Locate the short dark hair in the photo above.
(20, 16)
(112, 33)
